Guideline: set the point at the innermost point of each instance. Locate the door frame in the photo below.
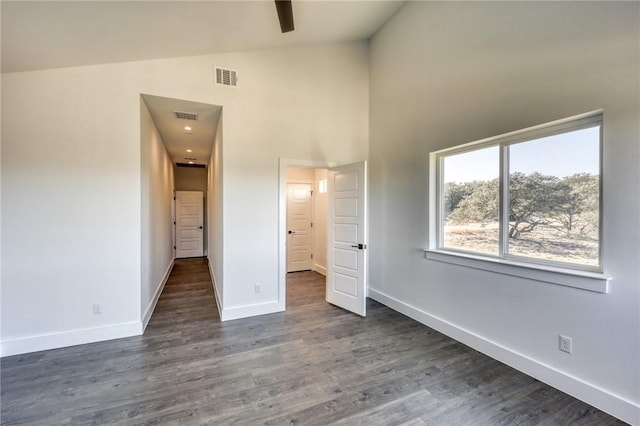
(282, 219)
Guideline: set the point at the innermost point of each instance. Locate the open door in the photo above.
(347, 237)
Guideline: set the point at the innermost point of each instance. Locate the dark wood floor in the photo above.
(314, 364)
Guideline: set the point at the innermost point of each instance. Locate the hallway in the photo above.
(313, 364)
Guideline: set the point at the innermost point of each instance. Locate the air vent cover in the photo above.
(186, 115)
(226, 77)
(195, 166)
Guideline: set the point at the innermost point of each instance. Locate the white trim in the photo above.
(245, 311)
(215, 287)
(283, 163)
(609, 402)
(320, 269)
(576, 122)
(154, 300)
(590, 281)
(69, 338)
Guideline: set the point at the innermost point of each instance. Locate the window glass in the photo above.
(554, 197)
(541, 204)
(322, 186)
(471, 193)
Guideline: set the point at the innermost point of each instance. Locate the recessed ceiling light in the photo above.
(190, 162)
(189, 150)
(187, 129)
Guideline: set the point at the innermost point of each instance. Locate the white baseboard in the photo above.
(320, 269)
(69, 338)
(154, 300)
(615, 405)
(214, 283)
(245, 311)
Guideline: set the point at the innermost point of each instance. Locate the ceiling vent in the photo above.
(186, 115)
(226, 77)
(196, 166)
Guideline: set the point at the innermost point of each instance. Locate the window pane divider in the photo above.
(503, 221)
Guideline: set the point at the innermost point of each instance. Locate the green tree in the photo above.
(454, 193)
(481, 205)
(578, 211)
(569, 204)
(532, 199)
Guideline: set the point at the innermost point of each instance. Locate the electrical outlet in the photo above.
(257, 288)
(97, 309)
(565, 344)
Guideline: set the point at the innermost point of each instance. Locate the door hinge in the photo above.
(311, 255)
(174, 247)
(311, 225)
(174, 222)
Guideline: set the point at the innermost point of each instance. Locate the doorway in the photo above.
(305, 235)
(302, 171)
(343, 238)
(306, 216)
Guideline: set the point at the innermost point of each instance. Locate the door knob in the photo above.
(200, 227)
(291, 232)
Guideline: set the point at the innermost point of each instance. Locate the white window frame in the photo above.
(556, 272)
(322, 186)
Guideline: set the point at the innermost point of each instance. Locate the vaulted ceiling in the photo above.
(40, 35)
(52, 34)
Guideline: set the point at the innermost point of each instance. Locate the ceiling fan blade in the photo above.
(285, 15)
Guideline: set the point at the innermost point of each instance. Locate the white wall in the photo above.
(190, 179)
(298, 174)
(70, 207)
(444, 74)
(157, 185)
(294, 105)
(72, 189)
(71, 184)
(215, 229)
(1, 293)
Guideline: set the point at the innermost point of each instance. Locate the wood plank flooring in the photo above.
(314, 364)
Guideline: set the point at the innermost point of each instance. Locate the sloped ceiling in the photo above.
(52, 34)
(40, 35)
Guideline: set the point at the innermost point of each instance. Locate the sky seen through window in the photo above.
(558, 155)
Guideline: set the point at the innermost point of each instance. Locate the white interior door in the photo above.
(189, 224)
(347, 237)
(299, 227)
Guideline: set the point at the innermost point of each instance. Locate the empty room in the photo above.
(320, 212)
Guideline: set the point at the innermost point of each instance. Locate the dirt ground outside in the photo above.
(542, 243)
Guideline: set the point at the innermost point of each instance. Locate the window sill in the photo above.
(590, 281)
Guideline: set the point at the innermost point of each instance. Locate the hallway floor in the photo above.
(314, 364)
